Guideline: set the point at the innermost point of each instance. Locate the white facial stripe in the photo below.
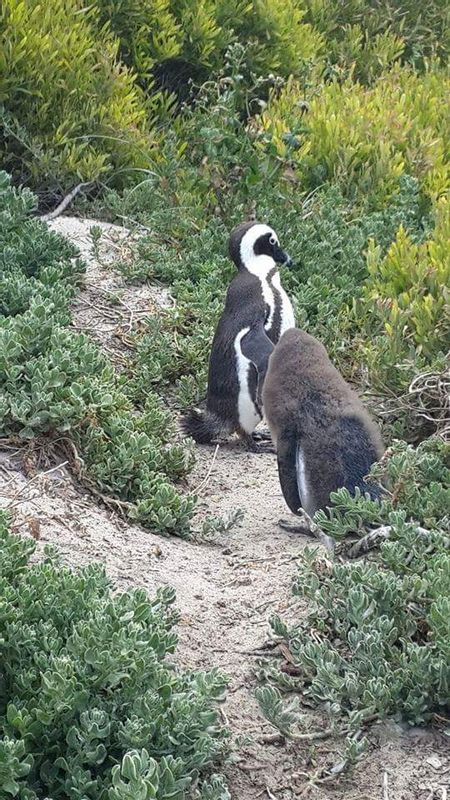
(256, 264)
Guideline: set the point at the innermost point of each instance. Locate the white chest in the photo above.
(248, 413)
(287, 312)
(269, 299)
(262, 266)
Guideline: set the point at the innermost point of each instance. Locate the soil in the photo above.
(227, 589)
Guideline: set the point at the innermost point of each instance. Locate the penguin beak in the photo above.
(280, 257)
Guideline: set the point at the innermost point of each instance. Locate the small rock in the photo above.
(434, 762)
(388, 731)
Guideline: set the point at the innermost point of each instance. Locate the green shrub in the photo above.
(365, 35)
(70, 110)
(397, 327)
(417, 481)
(281, 37)
(375, 641)
(93, 116)
(404, 304)
(148, 31)
(327, 240)
(34, 263)
(365, 137)
(275, 35)
(90, 704)
(56, 385)
(127, 455)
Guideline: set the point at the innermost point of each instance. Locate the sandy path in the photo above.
(227, 590)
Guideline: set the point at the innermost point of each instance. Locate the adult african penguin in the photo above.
(324, 437)
(257, 312)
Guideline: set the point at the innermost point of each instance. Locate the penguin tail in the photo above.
(204, 426)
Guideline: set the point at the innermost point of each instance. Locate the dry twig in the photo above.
(374, 538)
(65, 202)
(203, 483)
(16, 497)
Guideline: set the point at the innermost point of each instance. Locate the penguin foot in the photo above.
(293, 527)
(262, 435)
(307, 527)
(256, 446)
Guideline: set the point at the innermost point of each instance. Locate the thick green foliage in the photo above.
(369, 36)
(153, 31)
(56, 382)
(366, 137)
(147, 30)
(376, 638)
(69, 109)
(77, 94)
(370, 269)
(90, 706)
(404, 304)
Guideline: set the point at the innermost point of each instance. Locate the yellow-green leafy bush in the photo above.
(365, 138)
(147, 29)
(69, 109)
(203, 38)
(367, 35)
(405, 303)
(277, 37)
(274, 33)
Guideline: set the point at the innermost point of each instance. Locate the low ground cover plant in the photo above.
(91, 705)
(375, 640)
(58, 388)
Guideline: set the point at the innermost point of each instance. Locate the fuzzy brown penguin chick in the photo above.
(325, 438)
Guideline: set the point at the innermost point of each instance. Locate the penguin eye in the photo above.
(272, 240)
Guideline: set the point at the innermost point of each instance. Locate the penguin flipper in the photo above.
(257, 347)
(287, 471)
